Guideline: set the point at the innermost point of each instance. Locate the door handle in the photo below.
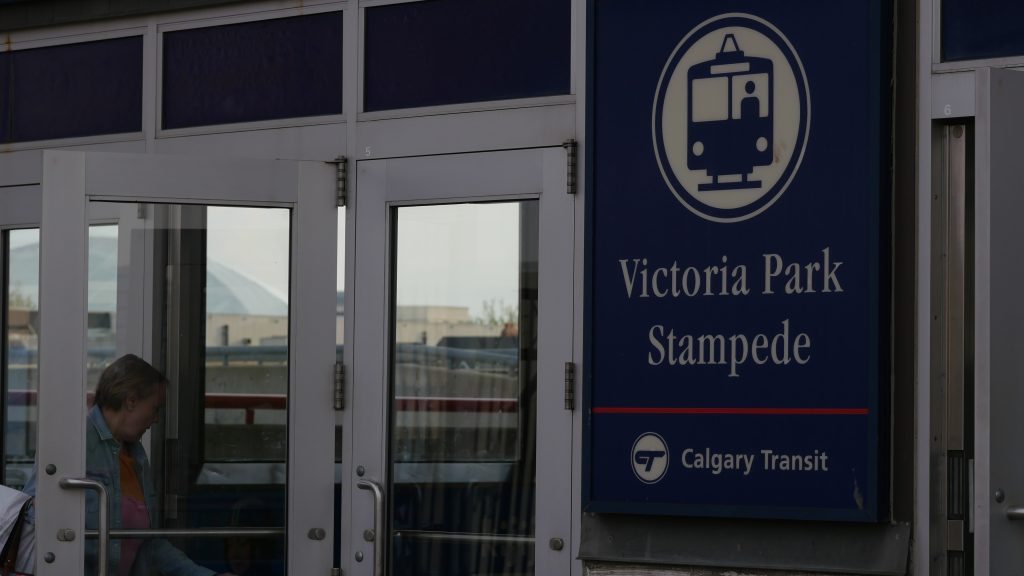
(378, 523)
(104, 527)
(1015, 512)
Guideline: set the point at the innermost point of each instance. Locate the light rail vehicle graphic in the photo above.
(729, 117)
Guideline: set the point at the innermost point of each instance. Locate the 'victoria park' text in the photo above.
(781, 347)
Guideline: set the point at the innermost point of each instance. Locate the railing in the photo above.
(248, 402)
(21, 359)
(252, 402)
(455, 403)
(227, 355)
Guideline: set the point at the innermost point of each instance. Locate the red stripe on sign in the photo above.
(725, 410)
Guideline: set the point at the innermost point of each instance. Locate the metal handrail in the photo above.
(104, 526)
(151, 533)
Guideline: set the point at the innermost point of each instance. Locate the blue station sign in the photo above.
(738, 273)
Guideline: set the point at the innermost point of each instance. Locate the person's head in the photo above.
(130, 393)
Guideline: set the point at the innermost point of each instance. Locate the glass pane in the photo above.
(75, 90)
(101, 340)
(262, 70)
(23, 336)
(339, 340)
(974, 30)
(464, 387)
(217, 428)
(454, 51)
(22, 340)
(242, 479)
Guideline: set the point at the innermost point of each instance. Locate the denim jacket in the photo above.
(102, 452)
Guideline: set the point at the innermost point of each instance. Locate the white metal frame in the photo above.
(579, 59)
(997, 283)
(71, 179)
(493, 176)
(21, 208)
(920, 559)
(153, 27)
(949, 90)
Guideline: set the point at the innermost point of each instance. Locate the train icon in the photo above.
(729, 119)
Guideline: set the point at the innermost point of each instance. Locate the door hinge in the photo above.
(339, 386)
(570, 164)
(341, 185)
(570, 386)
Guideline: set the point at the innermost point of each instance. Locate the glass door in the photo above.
(461, 436)
(191, 388)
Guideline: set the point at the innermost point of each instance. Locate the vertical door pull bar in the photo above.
(104, 527)
(378, 524)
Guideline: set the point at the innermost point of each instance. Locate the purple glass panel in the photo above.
(5, 97)
(975, 29)
(75, 90)
(263, 70)
(453, 51)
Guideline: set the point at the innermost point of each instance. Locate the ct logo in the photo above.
(731, 117)
(650, 458)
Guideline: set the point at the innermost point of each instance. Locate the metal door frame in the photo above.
(21, 209)
(535, 173)
(70, 180)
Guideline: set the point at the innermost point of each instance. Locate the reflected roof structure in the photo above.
(228, 291)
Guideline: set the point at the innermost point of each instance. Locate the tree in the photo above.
(20, 301)
(497, 313)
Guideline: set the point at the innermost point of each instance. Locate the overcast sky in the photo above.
(454, 255)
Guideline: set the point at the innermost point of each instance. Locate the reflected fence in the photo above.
(448, 390)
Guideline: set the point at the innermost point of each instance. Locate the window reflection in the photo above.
(464, 389)
(246, 335)
(101, 339)
(22, 369)
(219, 313)
(22, 301)
(339, 341)
(245, 384)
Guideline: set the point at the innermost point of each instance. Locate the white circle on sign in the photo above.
(735, 85)
(650, 458)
